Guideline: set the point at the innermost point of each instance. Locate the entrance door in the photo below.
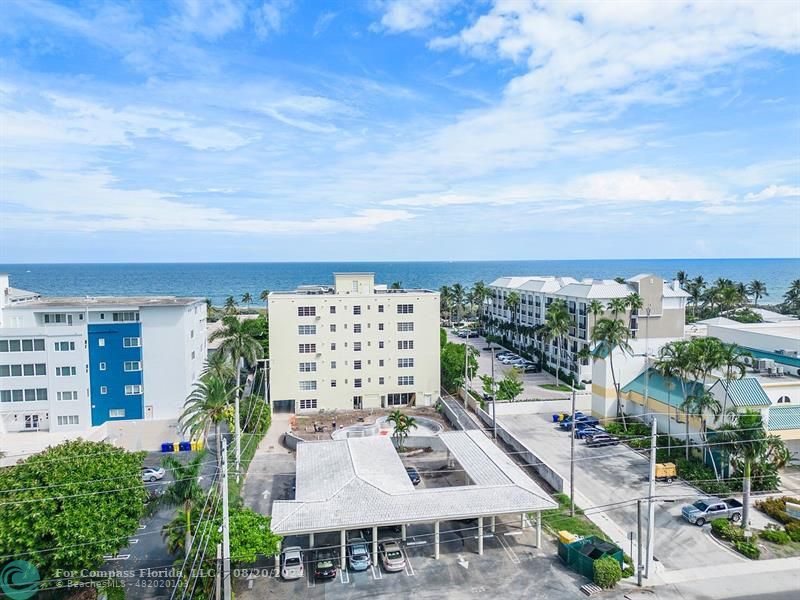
(31, 421)
(148, 412)
(358, 402)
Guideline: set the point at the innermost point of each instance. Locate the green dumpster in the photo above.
(580, 555)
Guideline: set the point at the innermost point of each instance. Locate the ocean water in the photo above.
(219, 280)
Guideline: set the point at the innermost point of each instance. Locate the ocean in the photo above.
(219, 280)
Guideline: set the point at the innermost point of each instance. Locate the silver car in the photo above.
(292, 563)
(392, 557)
(152, 473)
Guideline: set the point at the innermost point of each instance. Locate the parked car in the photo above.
(292, 563)
(359, 554)
(462, 333)
(392, 556)
(324, 564)
(579, 418)
(584, 432)
(706, 510)
(152, 473)
(601, 439)
(413, 475)
(473, 334)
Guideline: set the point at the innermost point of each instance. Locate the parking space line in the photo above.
(311, 581)
(511, 554)
(513, 533)
(376, 573)
(344, 575)
(108, 557)
(142, 526)
(408, 568)
(416, 543)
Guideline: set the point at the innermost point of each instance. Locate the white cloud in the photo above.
(407, 15)
(323, 22)
(270, 17)
(211, 18)
(774, 191)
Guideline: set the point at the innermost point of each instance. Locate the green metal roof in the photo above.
(657, 388)
(744, 392)
(789, 361)
(784, 417)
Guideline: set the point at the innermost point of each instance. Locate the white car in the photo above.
(152, 473)
(292, 563)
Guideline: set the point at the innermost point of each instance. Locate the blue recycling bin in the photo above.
(166, 447)
(185, 446)
(555, 418)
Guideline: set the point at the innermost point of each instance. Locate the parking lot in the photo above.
(511, 566)
(532, 382)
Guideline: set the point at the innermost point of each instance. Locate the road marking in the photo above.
(376, 573)
(108, 557)
(311, 581)
(408, 566)
(511, 554)
(417, 543)
(134, 541)
(344, 575)
(513, 533)
(463, 562)
(142, 526)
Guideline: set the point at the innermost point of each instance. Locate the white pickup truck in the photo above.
(706, 510)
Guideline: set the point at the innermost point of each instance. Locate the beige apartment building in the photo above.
(353, 345)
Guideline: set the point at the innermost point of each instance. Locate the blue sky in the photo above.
(388, 130)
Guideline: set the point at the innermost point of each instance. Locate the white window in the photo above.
(68, 419)
(357, 328)
(307, 329)
(784, 400)
(357, 383)
(308, 404)
(380, 362)
(60, 318)
(333, 327)
(333, 383)
(356, 310)
(405, 380)
(405, 326)
(116, 413)
(380, 307)
(101, 342)
(64, 346)
(405, 344)
(333, 310)
(131, 342)
(356, 346)
(103, 389)
(306, 311)
(333, 345)
(307, 348)
(380, 380)
(405, 363)
(67, 396)
(405, 309)
(380, 344)
(357, 365)
(133, 390)
(65, 371)
(308, 367)
(380, 326)
(132, 365)
(399, 399)
(308, 385)
(102, 366)
(125, 316)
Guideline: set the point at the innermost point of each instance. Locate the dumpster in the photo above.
(166, 447)
(666, 472)
(581, 554)
(185, 446)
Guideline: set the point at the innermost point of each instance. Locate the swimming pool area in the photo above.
(425, 427)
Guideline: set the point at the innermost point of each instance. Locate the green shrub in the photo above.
(628, 569)
(607, 572)
(793, 531)
(702, 477)
(776, 508)
(726, 530)
(775, 536)
(749, 549)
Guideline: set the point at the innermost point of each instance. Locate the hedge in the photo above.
(724, 529)
(607, 572)
(793, 531)
(749, 549)
(776, 536)
(776, 508)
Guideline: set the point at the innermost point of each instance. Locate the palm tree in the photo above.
(617, 306)
(757, 290)
(634, 302)
(237, 343)
(680, 356)
(207, 405)
(175, 534)
(512, 304)
(558, 322)
(230, 305)
(619, 279)
(185, 490)
(446, 301)
(409, 423)
(695, 289)
(682, 278)
(596, 308)
(264, 297)
(609, 335)
(666, 367)
(731, 358)
(403, 424)
(791, 299)
(458, 299)
(219, 365)
(700, 404)
(480, 293)
(396, 285)
(247, 299)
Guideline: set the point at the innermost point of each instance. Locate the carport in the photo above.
(361, 483)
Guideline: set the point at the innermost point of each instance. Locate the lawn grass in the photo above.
(556, 388)
(559, 520)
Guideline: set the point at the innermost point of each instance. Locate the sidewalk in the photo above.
(271, 444)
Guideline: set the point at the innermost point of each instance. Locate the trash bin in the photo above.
(197, 445)
(185, 446)
(166, 447)
(556, 418)
(176, 447)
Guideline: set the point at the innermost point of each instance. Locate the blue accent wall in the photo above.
(114, 377)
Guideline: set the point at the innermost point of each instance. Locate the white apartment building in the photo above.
(661, 318)
(70, 364)
(355, 345)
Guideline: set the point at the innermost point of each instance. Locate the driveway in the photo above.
(531, 381)
(608, 479)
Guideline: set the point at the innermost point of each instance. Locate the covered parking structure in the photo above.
(361, 483)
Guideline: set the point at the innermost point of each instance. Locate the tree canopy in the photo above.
(67, 507)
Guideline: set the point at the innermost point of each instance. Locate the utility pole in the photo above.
(639, 543)
(651, 506)
(572, 460)
(218, 595)
(226, 527)
(466, 374)
(647, 362)
(494, 400)
(237, 425)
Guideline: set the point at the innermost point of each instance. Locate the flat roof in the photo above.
(102, 301)
(788, 329)
(361, 482)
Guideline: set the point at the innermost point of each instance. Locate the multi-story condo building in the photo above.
(662, 316)
(355, 345)
(70, 364)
